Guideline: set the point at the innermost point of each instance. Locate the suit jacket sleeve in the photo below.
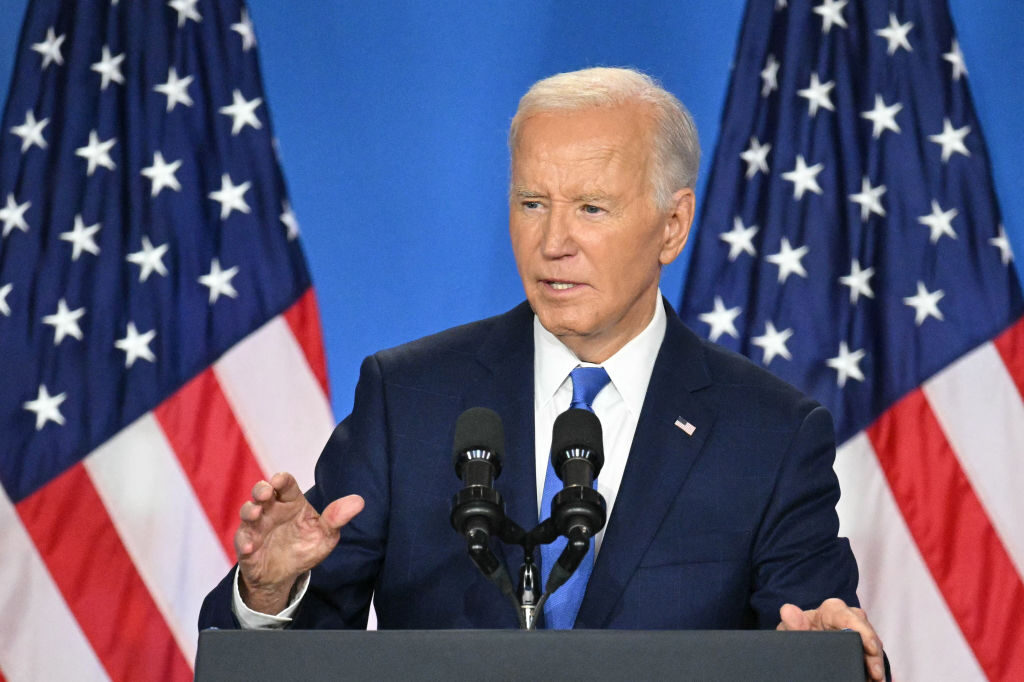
(798, 557)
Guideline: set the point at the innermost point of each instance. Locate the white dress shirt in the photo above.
(618, 407)
(618, 404)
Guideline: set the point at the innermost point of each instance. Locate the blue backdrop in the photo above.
(391, 119)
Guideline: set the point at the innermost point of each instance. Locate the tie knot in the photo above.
(587, 382)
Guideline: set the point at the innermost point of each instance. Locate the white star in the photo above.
(883, 117)
(82, 238)
(817, 95)
(831, 12)
(219, 281)
(31, 131)
(50, 48)
(846, 364)
(176, 89)
(136, 345)
(951, 139)
(940, 222)
(804, 177)
(859, 281)
(925, 303)
(1001, 242)
(788, 260)
(97, 153)
(770, 76)
(244, 29)
(46, 407)
(230, 196)
(289, 220)
(896, 34)
(109, 67)
(956, 57)
(242, 112)
(149, 259)
(756, 156)
(773, 342)
(869, 198)
(5, 309)
(13, 215)
(64, 322)
(186, 10)
(739, 239)
(721, 320)
(162, 174)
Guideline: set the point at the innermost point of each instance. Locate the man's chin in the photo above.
(566, 329)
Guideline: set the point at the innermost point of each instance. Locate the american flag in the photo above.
(160, 346)
(851, 243)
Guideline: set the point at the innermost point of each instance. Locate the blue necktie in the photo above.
(561, 607)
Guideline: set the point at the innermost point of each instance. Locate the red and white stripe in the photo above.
(932, 506)
(105, 568)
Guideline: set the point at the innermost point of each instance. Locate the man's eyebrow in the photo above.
(591, 197)
(524, 193)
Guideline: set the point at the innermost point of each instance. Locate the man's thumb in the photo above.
(341, 511)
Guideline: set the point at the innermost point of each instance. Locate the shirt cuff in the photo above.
(254, 620)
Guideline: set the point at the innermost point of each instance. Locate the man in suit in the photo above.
(718, 476)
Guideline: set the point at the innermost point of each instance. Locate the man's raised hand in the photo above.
(281, 537)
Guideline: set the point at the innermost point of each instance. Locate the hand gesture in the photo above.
(281, 537)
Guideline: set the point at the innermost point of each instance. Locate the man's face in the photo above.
(588, 239)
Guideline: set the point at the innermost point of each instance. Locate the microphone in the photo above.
(477, 452)
(479, 446)
(477, 509)
(577, 511)
(577, 447)
(577, 455)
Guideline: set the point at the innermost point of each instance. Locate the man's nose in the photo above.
(558, 233)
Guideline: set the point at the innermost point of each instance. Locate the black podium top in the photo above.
(591, 655)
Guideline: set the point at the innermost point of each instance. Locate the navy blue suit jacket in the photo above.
(711, 531)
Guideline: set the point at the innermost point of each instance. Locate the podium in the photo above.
(591, 655)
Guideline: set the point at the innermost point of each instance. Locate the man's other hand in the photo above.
(281, 537)
(834, 614)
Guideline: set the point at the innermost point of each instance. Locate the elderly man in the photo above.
(718, 476)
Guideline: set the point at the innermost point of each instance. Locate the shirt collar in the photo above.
(629, 368)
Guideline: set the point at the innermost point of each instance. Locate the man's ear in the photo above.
(677, 225)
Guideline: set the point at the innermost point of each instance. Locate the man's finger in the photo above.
(250, 512)
(246, 543)
(836, 615)
(341, 511)
(794, 618)
(262, 492)
(286, 487)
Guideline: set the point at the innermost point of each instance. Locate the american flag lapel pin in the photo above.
(685, 426)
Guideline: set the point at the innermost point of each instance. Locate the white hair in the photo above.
(676, 148)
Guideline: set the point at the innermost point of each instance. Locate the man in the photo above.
(718, 476)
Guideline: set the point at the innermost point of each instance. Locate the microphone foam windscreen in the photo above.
(576, 428)
(479, 428)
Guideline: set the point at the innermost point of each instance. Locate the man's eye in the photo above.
(592, 210)
(531, 205)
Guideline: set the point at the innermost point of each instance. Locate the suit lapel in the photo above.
(659, 461)
(508, 390)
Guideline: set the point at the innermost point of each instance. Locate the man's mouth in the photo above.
(561, 286)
